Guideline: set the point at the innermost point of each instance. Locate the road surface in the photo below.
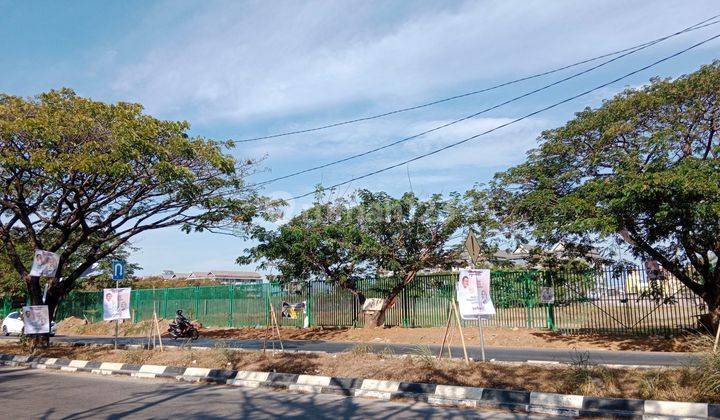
(29, 393)
(506, 354)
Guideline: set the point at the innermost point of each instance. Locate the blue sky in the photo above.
(243, 69)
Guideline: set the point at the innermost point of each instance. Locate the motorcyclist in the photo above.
(180, 321)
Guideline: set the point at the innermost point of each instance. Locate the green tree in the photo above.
(411, 234)
(322, 242)
(643, 168)
(81, 178)
(12, 285)
(374, 236)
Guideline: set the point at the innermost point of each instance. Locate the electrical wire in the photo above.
(538, 111)
(462, 95)
(483, 111)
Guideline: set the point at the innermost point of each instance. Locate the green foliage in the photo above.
(323, 241)
(374, 236)
(81, 178)
(644, 167)
(11, 284)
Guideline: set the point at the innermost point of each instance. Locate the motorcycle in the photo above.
(190, 331)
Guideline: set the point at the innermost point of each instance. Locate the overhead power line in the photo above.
(462, 95)
(538, 111)
(483, 111)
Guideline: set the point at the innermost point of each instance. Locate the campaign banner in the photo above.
(473, 294)
(36, 319)
(292, 310)
(116, 303)
(45, 264)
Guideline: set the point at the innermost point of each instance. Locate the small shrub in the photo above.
(649, 385)
(189, 357)
(222, 353)
(387, 352)
(423, 352)
(708, 374)
(137, 357)
(581, 359)
(361, 349)
(25, 342)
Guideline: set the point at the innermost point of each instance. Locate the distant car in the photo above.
(13, 324)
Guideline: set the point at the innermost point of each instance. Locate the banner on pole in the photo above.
(116, 303)
(473, 294)
(45, 264)
(36, 319)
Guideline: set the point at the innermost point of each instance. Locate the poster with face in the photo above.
(116, 303)
(292, 310)
(45, 264)
(473, 294)
(36, 319)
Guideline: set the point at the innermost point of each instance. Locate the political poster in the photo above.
(36, 319)
(473, 294)
(45, 264)
(547, 295)
(116, 303)
(292, 310)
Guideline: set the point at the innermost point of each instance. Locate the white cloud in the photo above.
(241, 62)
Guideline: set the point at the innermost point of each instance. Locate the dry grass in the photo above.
(675, 384)
(496, 337)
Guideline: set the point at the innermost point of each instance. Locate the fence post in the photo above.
(309, 303)
(528, 300)
(165, 302)
(231, 318)
(404, 307)
(197, 302)
(547, 277)
(266, 289)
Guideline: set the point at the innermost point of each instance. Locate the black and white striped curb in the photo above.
(445, 395)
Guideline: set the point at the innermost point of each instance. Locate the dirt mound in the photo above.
(78, 326)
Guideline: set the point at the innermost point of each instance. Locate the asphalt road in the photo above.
(497, 353)
(28, 393)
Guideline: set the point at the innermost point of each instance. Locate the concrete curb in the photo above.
(444, 395)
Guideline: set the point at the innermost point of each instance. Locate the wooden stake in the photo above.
(462, 336)
(277, 326)
(159, 334)
(265, 336)
(445, 336)
(450, 339)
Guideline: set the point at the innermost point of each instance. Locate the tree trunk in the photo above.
(374, 319)
(711, 320)
(35, 297)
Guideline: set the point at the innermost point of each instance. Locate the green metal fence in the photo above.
(589, 301)
(5, 307)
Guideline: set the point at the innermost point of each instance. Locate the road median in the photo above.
(435, 394)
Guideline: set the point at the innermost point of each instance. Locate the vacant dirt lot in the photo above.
(496, 337)
(679, 384)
